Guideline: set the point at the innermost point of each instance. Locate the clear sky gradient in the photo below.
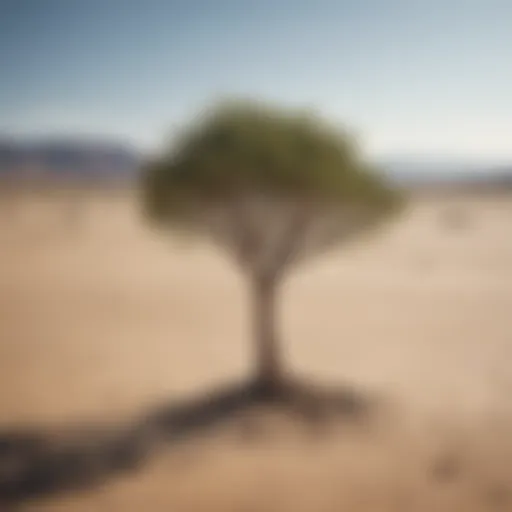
(411, 76)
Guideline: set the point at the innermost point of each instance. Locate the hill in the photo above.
(67, 159)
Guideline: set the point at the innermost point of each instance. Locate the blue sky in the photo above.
(424, 77)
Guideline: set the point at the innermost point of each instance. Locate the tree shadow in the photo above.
(34, 464)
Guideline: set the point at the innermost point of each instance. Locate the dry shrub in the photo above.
(456, 218)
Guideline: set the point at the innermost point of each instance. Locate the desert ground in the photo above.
(102, 317)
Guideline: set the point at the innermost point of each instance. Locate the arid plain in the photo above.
(101, 317)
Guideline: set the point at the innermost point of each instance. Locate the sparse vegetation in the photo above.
(455, 218)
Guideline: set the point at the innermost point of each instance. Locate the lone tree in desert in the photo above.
(271, 186)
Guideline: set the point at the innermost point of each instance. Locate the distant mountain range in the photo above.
(70, 159)
(105, 161)
(424, 172)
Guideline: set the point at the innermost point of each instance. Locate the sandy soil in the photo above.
(103, 318)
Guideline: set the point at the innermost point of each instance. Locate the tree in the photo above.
(271, 186)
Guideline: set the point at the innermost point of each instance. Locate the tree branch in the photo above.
(291, 242)
(229, 226)
(329, 228)
(246, 238)
(266, 237)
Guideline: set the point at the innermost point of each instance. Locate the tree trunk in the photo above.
(268, 360)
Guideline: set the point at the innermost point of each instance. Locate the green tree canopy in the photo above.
(258, 179)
